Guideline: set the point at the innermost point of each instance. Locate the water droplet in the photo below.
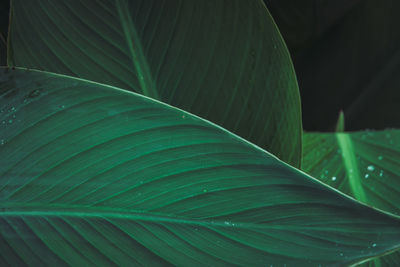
(371, 168)
(227, 223)
(366, 176)
(12, 108)
(205, 190)
(2, 142)
(381, 173)
(374, 245)
(10, 121)
(334, 178)
(341, 253)
(380, 157)
(62, 106)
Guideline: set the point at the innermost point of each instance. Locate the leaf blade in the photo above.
(162, 186)
(367, 169)
(226, 63)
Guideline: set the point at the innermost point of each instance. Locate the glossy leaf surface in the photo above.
(222, 60)
(364, 165)
(116, 178)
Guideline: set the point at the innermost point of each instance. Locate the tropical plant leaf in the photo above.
(389, 260)
(364, 165)
(346, 56)
(118, 178)
(224, 61)
(340, 124)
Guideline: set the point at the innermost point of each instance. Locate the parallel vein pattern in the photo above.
(114, 178)
(221, 60)
(364, 165)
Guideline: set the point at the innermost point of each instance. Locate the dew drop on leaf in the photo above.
(366, 176)
(334, 178)
(380, 157)
(371, 168)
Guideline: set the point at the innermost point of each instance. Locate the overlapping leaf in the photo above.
(222, 60)
(119, 179)
(365, 165)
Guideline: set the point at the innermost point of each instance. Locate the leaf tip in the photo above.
(340, 122)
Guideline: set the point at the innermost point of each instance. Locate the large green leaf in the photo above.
(346, 55)
(222, 60)
(118, 178)
(365, 165)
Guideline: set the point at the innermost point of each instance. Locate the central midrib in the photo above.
(33, 210)
(351, 166)
(138, 57)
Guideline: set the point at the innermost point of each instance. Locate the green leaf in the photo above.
(118, 178)
(364, 165)
(389, 260)
(224, 62)
(340, 123)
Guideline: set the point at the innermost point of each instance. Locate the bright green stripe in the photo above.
(136, 50)
(351, 167)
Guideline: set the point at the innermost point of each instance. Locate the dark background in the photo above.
(346, 56)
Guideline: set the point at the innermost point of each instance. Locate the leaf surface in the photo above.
(364, 165)
(222, 60)
(115, 178)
